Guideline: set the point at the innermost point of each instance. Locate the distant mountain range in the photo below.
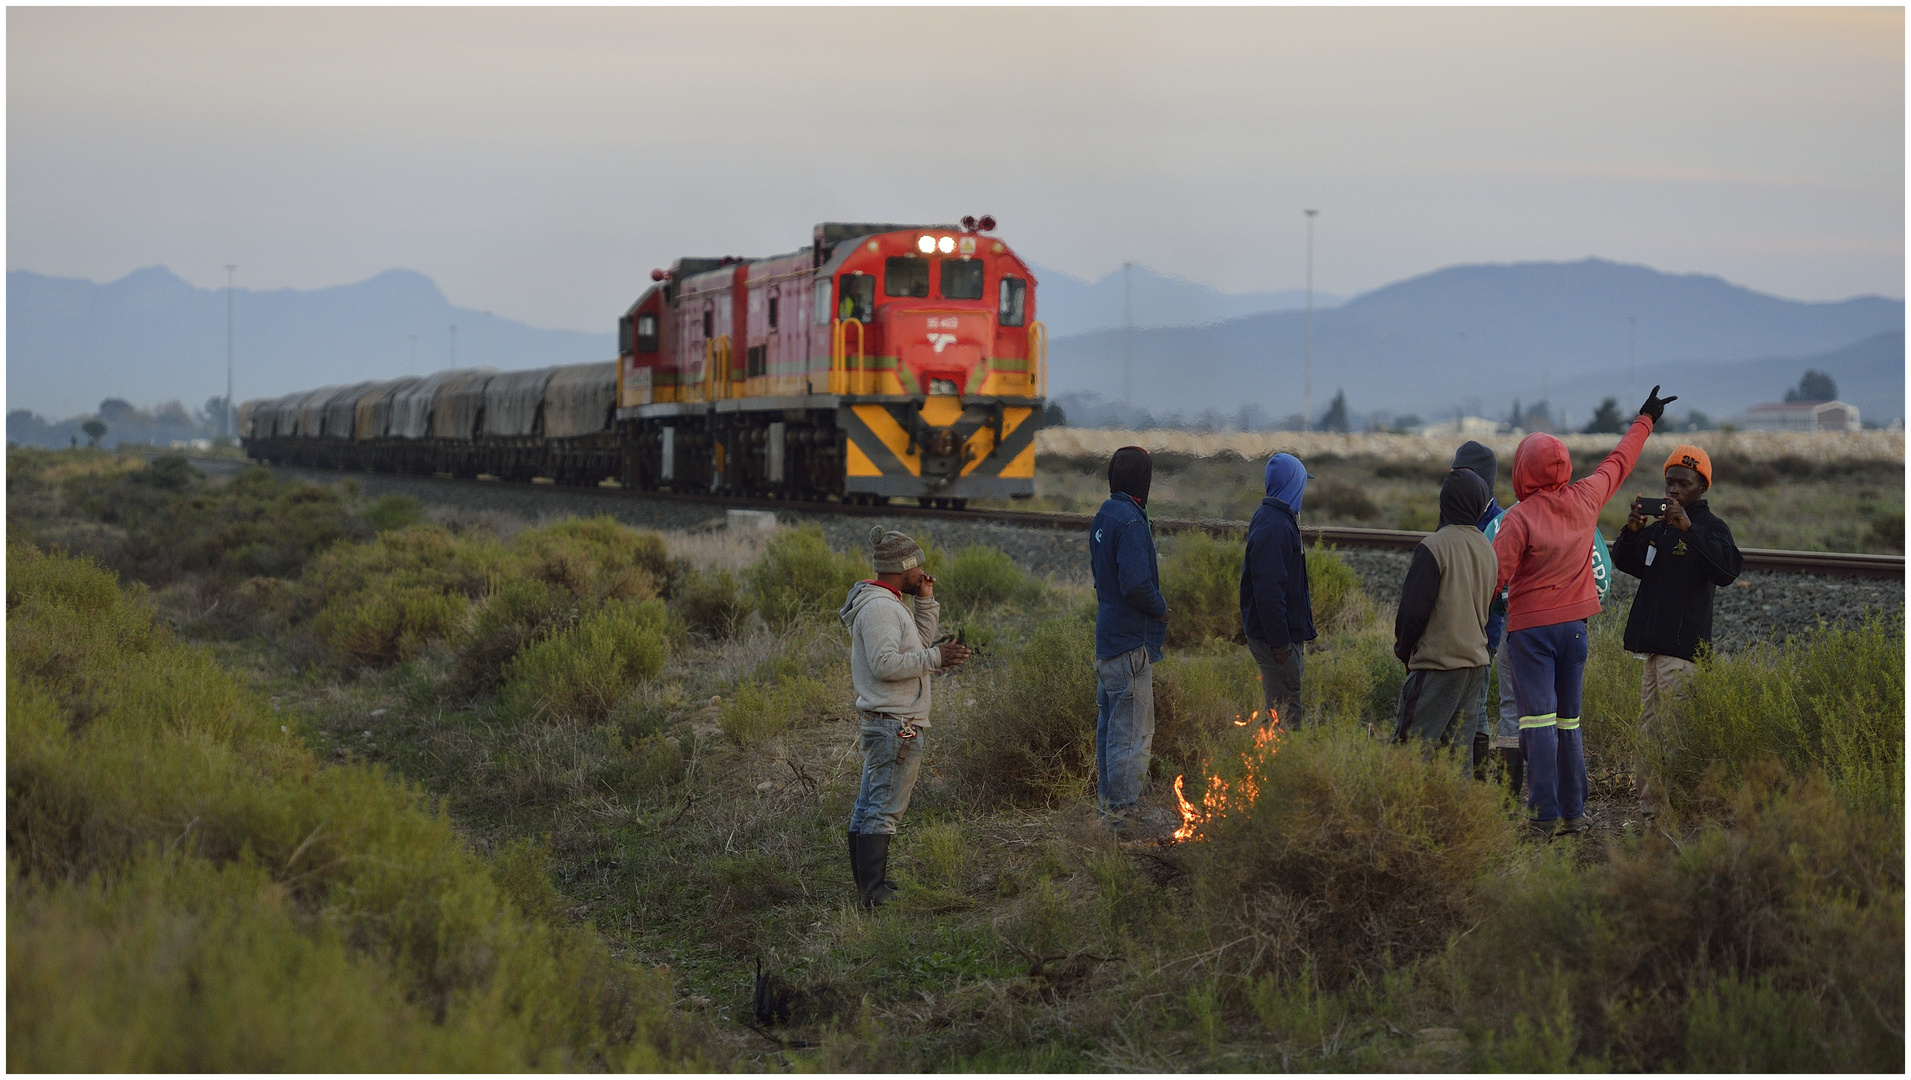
(1466, 337)
(151, 337)
(1475, 338)
(1068, 305)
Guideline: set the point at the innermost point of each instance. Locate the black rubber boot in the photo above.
(855, 864)
(1515, 769)
(1482, 750)
(872, 864)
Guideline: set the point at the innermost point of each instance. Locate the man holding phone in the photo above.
(891, 618)
(1679, 559)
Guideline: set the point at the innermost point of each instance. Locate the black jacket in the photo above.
(1673, 612)
(1275, 607)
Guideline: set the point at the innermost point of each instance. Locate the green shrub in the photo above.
(581, 673)
(1202, 695)
(1353, 678)
(759, 711)
(979, 578)
(190, 889)
(800, 577)
(520, 613)
(389, 626)
(1334, 589)
(595, 558)
(1609, 703)
(1833, 699)
(394, 512)
(1772, 939)
(1201, 581)
(1030, 738)
(710, 603)
(1354, 854)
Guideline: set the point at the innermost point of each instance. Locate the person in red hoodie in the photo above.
(1544, 548)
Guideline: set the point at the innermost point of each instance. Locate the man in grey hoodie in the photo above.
(892, 618)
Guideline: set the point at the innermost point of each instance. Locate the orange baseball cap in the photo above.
(1692, 458)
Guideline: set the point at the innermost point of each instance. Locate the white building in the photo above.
(1802, 416)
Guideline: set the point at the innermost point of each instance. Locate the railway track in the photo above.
(1846, 564)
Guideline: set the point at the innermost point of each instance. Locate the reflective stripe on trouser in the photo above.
(887, 782)
(1124, 727)
(1555, 770)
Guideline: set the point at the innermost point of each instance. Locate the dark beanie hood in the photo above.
(1479, 458)
(1129, 473)
(1463, 498)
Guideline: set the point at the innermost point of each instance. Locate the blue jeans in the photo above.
(1507, 732)
(1551, 666)
(889, 774)
(1124, 727)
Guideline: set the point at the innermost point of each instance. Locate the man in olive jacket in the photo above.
(1679, 560)
(1440, 628)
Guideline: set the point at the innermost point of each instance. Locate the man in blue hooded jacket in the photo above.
(1277, 614)
(1131, 622)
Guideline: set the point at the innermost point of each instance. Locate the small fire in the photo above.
(1222, 797)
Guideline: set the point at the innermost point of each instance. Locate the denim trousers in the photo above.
(1124, 727)
(889, 774)
(1280, 681)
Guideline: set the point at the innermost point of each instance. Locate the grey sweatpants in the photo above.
(1437, 708)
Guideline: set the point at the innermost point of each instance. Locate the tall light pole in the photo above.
(414, 355)
(454, 345)
(489, 332)
(1307, 346)
(1127, 336)
(229, 421)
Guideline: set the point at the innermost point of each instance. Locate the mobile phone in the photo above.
(1652, 507)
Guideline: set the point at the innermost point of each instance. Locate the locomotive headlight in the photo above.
(926, 245)
(946, 244)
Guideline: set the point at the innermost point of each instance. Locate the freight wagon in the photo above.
(881, 361)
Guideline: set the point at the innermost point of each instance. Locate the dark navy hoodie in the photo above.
(1275, 606)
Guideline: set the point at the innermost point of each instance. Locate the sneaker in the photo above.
(1575, 826)
(1540, 830)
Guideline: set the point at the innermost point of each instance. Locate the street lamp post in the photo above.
(228, 422)
(454, 345)
(1632, 359)
(1307, 346)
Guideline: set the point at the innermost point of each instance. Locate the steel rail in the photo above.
(1841, 563)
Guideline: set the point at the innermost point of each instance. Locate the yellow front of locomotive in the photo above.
(937, 363)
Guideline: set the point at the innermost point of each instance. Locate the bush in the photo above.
(757, 712)
(189, 889)
(1772, 940)
(1201, 581)
(1353, 679)
(595, 558)
(979, 578)
(1352, 853)
(1030, 738)
(389, 626)
(394, 512)
(1200, 696)
(710, 603)
(1334, 589)
(520, 613)
(1340, 499)
(799, 577)
(1833, 699)
(583, 672)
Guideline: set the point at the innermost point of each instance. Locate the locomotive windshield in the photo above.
(905, 275)
(961, 279)
(1014, 301)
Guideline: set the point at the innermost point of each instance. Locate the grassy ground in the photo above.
(1787, 502)
(1370, 909)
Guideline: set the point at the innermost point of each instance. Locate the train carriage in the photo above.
(881, 361)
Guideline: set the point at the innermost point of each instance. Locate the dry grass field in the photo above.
(1804, 492)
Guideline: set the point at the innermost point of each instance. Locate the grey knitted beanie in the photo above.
(894, 552)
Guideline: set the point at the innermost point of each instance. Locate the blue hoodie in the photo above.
(1275, 606)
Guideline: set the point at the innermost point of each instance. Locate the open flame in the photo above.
(1222, 796)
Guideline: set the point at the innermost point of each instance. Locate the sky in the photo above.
(539, 163)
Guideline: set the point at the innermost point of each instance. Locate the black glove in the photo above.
(1655, 405)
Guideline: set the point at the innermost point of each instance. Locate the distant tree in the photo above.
(1053, 416)
(1697, 421)
(1814, 386)
(1406, 422)
(1535, 417)
(95, 431)
(1605, 419)
(113, 410)
(1335, 418)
